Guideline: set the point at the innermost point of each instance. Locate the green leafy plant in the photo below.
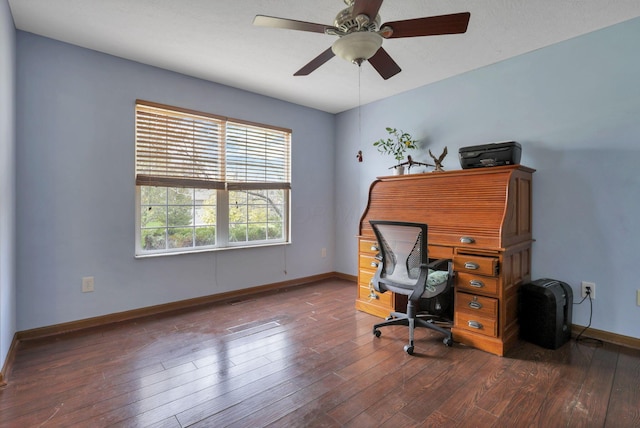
(397, 143)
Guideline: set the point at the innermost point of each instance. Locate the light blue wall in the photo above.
(76, 199)
(7, 172)
(575, 108)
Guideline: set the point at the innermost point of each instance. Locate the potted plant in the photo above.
(397, 144)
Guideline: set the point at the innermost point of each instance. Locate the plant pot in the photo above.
(398, 170)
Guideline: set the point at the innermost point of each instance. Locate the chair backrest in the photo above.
(403, 250)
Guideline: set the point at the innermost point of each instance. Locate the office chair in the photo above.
(405, 269)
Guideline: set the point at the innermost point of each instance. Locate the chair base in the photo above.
(399, 318)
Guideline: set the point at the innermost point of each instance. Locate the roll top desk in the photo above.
(481, 219)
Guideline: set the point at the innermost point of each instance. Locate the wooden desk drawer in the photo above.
(476, 283)
(484, 306)
(460, 239)
(365, 276)
(365, 290)
(477, 264)
(439, 252)
(369, 262)
(383, 299)
(476, 323)
(368, 247)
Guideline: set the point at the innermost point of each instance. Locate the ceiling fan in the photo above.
(361, 35)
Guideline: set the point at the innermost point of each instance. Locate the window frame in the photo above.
(221, 184)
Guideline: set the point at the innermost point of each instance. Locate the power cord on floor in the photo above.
(590, 340)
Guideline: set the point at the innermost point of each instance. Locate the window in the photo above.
(208, 182)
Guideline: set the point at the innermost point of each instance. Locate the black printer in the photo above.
(493, 154)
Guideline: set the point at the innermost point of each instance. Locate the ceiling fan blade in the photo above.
(315, 63)
(384, 64)
(367, 7)
(430, 26)
(289, 24)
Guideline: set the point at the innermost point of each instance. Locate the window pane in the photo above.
(275, 213)
(205, 197)
(205, 212)
(257, 196)
(237, 197)
(274, 231)
(237, 232)
(153, 239)
(169, 223)
(257, 213)
(205, 236)
(153, 195)
(180, 237)
(276, 206)
(180, 216)
(205, 216)
(238, 214)
(153, 216)
(180, 196)
(276, 196)
(257, 232)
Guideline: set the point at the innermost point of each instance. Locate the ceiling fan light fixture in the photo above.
(361, 35)
(357, 47)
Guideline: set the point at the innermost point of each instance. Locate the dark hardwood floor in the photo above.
(304, 357)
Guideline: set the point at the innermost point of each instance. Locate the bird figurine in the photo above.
(410, 162)
(438, 160)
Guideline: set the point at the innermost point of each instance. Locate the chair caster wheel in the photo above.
(408, 349)
(377, 333)
(448, 341)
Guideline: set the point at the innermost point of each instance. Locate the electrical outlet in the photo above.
(591, 286)
(323, 253)
(87, 284)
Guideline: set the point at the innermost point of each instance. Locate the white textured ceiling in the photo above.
(215, 39)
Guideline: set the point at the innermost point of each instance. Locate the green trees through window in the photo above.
(174, 217)
(256, 215)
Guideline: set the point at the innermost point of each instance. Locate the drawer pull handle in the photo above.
(372, 292)
(475, 324)
(476, 283)
(374, 248)
(471, 265)
(467, 240)
(475, 305)
(374, 264)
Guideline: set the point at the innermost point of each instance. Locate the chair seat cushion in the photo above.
(437, 277)
(436, 283)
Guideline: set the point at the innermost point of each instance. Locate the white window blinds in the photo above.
(183, 148)
(178, 149)
(257, 157)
